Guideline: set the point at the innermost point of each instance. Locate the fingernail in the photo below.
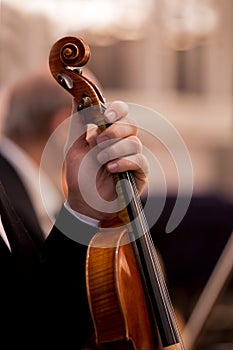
(110, 116)
(112, 166)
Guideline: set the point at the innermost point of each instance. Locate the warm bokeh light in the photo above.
(174, 57)
(188, 24)
(104, 20)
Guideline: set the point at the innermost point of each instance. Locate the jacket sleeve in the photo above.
(62, 282)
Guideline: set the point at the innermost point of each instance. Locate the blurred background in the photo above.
(175, 57)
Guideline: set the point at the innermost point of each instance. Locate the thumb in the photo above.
(77, 130)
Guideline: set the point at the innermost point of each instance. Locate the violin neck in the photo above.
(159, 302)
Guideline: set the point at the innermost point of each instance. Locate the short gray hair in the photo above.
(32, 102)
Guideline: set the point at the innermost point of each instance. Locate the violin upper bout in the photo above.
(115, 293)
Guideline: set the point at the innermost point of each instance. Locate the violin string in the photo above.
(148, 245)
(157, 267)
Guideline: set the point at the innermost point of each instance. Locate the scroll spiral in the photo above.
(73, 51)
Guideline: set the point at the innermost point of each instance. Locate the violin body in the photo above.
(116, 296)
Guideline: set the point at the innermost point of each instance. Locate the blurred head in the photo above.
(36, 106)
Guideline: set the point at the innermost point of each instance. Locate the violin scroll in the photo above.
(66, 57)
(73, 51)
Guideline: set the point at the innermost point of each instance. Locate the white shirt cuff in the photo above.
(82, 217)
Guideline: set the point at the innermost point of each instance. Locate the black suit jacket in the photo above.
(20, 199)
(44, 305)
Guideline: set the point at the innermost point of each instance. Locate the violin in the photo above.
(127, 294)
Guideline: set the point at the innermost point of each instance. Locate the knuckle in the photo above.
(137, 144)
(120, 107)
(113, 132)
(113, 151)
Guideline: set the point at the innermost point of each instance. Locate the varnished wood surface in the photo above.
(115, 293)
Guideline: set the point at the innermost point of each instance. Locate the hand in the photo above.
(94, 156)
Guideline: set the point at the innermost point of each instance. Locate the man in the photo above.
(44, 305)
(34, 108)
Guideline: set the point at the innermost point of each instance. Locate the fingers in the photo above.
(122, 126)
(116, 142)
(115, 111)
(123, 155)
(137, 163)
(120, 129)
(119, 149)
